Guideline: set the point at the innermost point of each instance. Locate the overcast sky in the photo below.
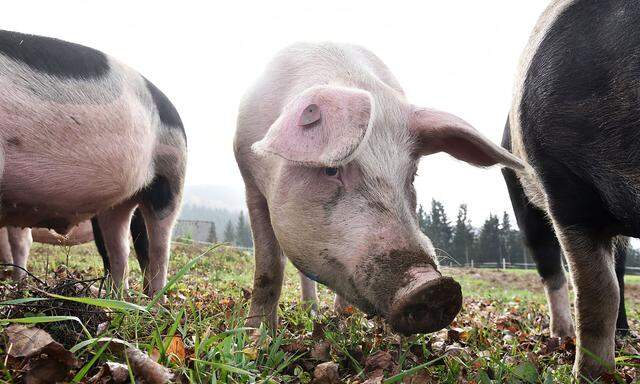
(455, 55)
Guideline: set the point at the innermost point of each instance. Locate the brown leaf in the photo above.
(111, 373)
(551, 345)
(294, 347)
(146, 370)
(375, 378)
(176, 351)
(25, 342)
(379, 360)
(47, 360)
(326, 373)
(322, 351)
(457, 334)
(422, 377)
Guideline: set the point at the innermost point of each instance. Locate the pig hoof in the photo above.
(428, 308)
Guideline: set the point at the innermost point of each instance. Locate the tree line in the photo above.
(238, 232)
(459, 243)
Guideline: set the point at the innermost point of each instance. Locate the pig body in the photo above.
(575, 120)
(83, 135)
(328, 148)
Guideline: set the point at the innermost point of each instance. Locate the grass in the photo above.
(500, 336)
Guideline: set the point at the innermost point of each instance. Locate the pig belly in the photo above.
(45, 194)
(64, 170)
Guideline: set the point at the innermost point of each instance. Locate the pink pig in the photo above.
(83, 135)
(328, 147)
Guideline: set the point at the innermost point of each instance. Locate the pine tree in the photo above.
(489, 250)
(512, 247)
(423, 219)
(229, 233)
(212, 237)
(243, 232)
(463, 238)
(438, 228)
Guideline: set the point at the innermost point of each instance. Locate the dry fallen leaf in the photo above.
(176, 351)
(111, 373)
(381, 360)
(326, 373)
(146, 370)
(25, 342)
(321, 351)
(376, 378)
(47, 360)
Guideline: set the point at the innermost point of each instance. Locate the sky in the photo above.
(455, 55)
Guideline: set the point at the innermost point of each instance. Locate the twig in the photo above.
(28, 273)
(74, 282)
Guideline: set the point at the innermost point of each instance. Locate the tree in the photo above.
(489, 249)
(438, 228)
(511, 245)
(423, 219)
(212, 237)
(229, 233)
(463, 238)
(243, 232)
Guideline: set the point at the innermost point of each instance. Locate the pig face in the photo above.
(343, 203)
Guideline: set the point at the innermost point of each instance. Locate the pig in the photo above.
(83, 135)
(328, 148)
(14, 249)
(574, 121)
(18, 241)
(80, 234)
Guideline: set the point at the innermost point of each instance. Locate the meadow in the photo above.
(501, 335)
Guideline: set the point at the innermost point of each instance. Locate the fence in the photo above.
(507, 265)
(200, 232)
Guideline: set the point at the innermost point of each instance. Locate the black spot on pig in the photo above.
(54, 57)
(166, 111)
(158, 195)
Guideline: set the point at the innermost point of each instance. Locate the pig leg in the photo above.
(20, 241)
(622, 325)
(114, 228)
(309, 291)
(5, 252)
(542, 244)
(159, 207)
(592, 265)
(269, 260)
(140, 241)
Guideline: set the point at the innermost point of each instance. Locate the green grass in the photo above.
(500, 336)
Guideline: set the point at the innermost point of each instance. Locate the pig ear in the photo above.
(322, 127)
(443, 132)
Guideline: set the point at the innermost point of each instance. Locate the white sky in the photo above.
(455, 55)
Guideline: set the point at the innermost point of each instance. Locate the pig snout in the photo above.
(428, 303)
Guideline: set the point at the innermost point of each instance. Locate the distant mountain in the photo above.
(219, 204)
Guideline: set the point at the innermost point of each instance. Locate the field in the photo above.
(500, 336)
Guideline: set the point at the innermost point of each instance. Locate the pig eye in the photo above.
(331, 172)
